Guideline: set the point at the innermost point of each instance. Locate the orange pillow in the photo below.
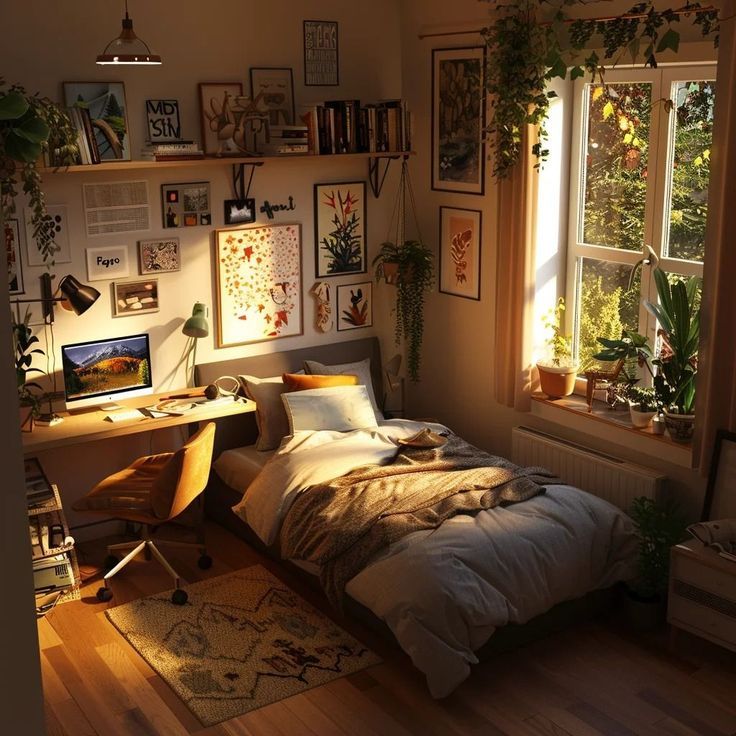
(300, 381)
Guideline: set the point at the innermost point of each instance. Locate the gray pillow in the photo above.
(273, 424)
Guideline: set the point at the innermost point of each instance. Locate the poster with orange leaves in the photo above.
(460, 236)
(259, 283)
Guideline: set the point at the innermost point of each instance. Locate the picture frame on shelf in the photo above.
(110, 262)
(185, 204)
(340, 229)
(272, 89)
(159, 256)
(58, 222)
(354, 306)
(108, 112)
(321, 60)
(135, 297)
(460, 252)
(458, 120)
(719, 501)
(12, 253)
(163, 121)
(214, 104)
(259, 283)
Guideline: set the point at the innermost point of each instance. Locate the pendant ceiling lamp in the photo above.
(127, 48)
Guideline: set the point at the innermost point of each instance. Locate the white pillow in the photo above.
(339, 408)
(361, 368)
(271, 419)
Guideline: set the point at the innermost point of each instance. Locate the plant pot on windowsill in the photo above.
(680, 427)
(640, 419)
(557, 380)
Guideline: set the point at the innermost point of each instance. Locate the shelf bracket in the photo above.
(240, 191)
(375, 177)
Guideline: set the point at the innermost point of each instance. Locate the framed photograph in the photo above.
(240, 211)
(135, 297)
(459, 262)
(108, 111)
(58, 224)
(214, 105)
(162, 118)
(354, 306)
(159, 256)
(320, 53)
(340, 229)
(720, 499)
(458, 119)
(259, 283)
(186, 204)
(107, 263)
(12, 251)
(272, 89)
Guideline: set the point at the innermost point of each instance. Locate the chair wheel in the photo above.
(109, 562)
(104, 595)
(204, 562)
(179, 597)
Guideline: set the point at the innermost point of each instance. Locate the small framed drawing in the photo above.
(354, 306)
(320, 53)
(186, 204)
(459, 262)
(259, 283)
(272, 89)
(159, 256)
(107, 263)
(214, 105)
(12, 252)
(720, 498)
(58, 228)
(135, 297)
(458, 120)
(339, 229)
(109, 113)
(240, 211)
(162, 117)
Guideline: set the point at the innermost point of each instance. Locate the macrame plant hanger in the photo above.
(397, 223)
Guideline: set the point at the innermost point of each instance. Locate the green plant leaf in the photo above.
(576, 72)
(20, 149)
(33, 129)
(670, 40)
(13, 105)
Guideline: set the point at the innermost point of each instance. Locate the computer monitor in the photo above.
(101, 371)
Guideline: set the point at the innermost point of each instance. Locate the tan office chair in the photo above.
(154, 490)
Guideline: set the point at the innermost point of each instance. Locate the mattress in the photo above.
(238, 467)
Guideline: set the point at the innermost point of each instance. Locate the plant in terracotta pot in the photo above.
(30, 393)
(557, 372)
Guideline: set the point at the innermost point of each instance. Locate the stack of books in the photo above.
(286, 139)
(172, 151)
(89, 152)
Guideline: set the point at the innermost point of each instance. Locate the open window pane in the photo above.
(688, 178)
(615, 165)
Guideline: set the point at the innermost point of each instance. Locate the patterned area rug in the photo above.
(242, 641)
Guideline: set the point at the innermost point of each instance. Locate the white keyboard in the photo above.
(124, 415)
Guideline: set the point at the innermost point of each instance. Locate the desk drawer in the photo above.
(704, 611)
(705, 577)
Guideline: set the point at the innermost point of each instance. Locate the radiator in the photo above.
(605, 476)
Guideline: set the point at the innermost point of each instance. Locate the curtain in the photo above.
(716, 388)
(515, 236)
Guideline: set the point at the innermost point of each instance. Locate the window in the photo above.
(639, 185)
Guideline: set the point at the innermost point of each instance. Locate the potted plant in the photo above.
(642, 405)
(30, 394)
(414, 268)
(557, 373)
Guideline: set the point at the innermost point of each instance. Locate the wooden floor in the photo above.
(589, 681)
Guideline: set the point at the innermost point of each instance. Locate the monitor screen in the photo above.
(102, 371)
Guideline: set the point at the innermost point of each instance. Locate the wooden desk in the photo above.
(89, 425)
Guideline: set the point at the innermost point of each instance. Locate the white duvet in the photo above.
(444, 592)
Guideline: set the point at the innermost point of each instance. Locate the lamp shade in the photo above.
(79, 296)
(197, 325)
(127, 48)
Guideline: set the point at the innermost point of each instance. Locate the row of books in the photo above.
(172, 151)
(89, 153)
(346, 126)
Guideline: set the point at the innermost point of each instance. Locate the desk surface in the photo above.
(88, 425)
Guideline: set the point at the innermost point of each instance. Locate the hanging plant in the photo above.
(534, 41)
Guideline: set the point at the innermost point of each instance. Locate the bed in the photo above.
(522, 545)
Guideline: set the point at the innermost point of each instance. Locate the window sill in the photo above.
(610, 425)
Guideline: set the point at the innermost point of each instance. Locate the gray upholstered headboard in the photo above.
(241, 430)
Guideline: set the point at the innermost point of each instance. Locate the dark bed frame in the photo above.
(241, 430)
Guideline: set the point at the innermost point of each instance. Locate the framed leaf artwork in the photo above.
(259, 283)
(354, 306)
(459, 262)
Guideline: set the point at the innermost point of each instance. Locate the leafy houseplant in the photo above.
(413, 264)
(30, 394)
(557, 373)
(642, 405)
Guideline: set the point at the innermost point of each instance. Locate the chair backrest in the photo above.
(185, 476)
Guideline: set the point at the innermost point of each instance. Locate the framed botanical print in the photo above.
(459, 262)
(214, 104)
(259, 283)
(12, 253)
(320, 53)
(159, 256)
(458, 120)
(339, 229)
(354, 306)
(272, 89)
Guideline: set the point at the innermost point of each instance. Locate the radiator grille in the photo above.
(704, 598)
(605, 476)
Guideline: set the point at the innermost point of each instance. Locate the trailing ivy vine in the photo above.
(534, 41)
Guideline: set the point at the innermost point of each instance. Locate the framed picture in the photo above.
(135, 297)
(12, 252)
(459, 262)
(340, 230)
(720, 498)
(58, 224)
(159, 256)
(214, 105)
(272, 89)
(458, 119)
(107, 263)
(320, 53)
(240, 211)
(107, 109)
(354, 306)
(186, 204)
(259, 283)
(162, 118)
